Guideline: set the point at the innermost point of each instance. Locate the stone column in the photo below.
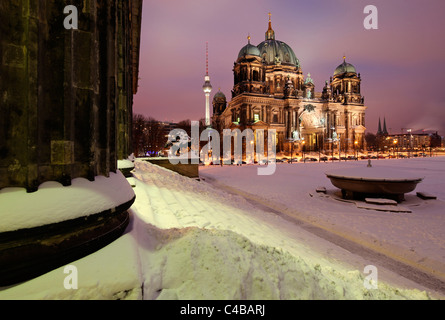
(62, 99)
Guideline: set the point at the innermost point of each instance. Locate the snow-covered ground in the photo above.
(416, 238)
(192, 239)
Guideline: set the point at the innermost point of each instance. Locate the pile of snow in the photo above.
(54, 203)
(223, 265)
(109, 274)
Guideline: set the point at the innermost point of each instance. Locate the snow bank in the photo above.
(53, 203)
(109, 274)
(220, 264)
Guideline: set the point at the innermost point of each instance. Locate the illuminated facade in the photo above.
(271, 92)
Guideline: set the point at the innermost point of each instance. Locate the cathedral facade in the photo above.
(271, 92)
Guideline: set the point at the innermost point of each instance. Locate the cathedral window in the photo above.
(256, 75)
(256, 117)
(275, 118)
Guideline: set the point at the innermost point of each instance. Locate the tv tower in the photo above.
(207, 87)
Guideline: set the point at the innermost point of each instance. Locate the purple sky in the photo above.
(402, 64)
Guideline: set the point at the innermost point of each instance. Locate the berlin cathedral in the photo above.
(271, 92)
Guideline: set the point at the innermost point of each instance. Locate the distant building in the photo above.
(436, 140)
(403, 141)
(415, 141)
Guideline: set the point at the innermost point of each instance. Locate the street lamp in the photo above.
(395, 144)
(252, 143)
(304, 143)
(332, 146)
(339, 146)
(291, 150)
(355, 149)
(410, 143)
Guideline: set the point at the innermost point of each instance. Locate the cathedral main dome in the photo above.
(277, 52)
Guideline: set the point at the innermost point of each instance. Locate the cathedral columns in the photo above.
(286, 123)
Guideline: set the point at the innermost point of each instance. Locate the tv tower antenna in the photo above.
(207, 58)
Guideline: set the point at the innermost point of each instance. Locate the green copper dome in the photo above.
(275, 52)
(219, 95)
(249, 49)
(344, 68)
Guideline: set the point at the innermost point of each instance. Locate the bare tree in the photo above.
(185, 125)
(371, 141)
(149, 135)
(156, 137)
(139, 136)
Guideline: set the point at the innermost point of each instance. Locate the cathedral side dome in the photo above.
(345, 68)
(219, 95)
(249, 49)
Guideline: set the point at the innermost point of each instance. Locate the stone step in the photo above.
(379, 207)
(381, 201)
(426, 196)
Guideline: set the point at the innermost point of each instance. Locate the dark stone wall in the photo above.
(66, 96)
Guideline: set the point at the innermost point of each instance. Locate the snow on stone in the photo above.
(375, 173)
(54, 203)
(381, 201)
(125, 164)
